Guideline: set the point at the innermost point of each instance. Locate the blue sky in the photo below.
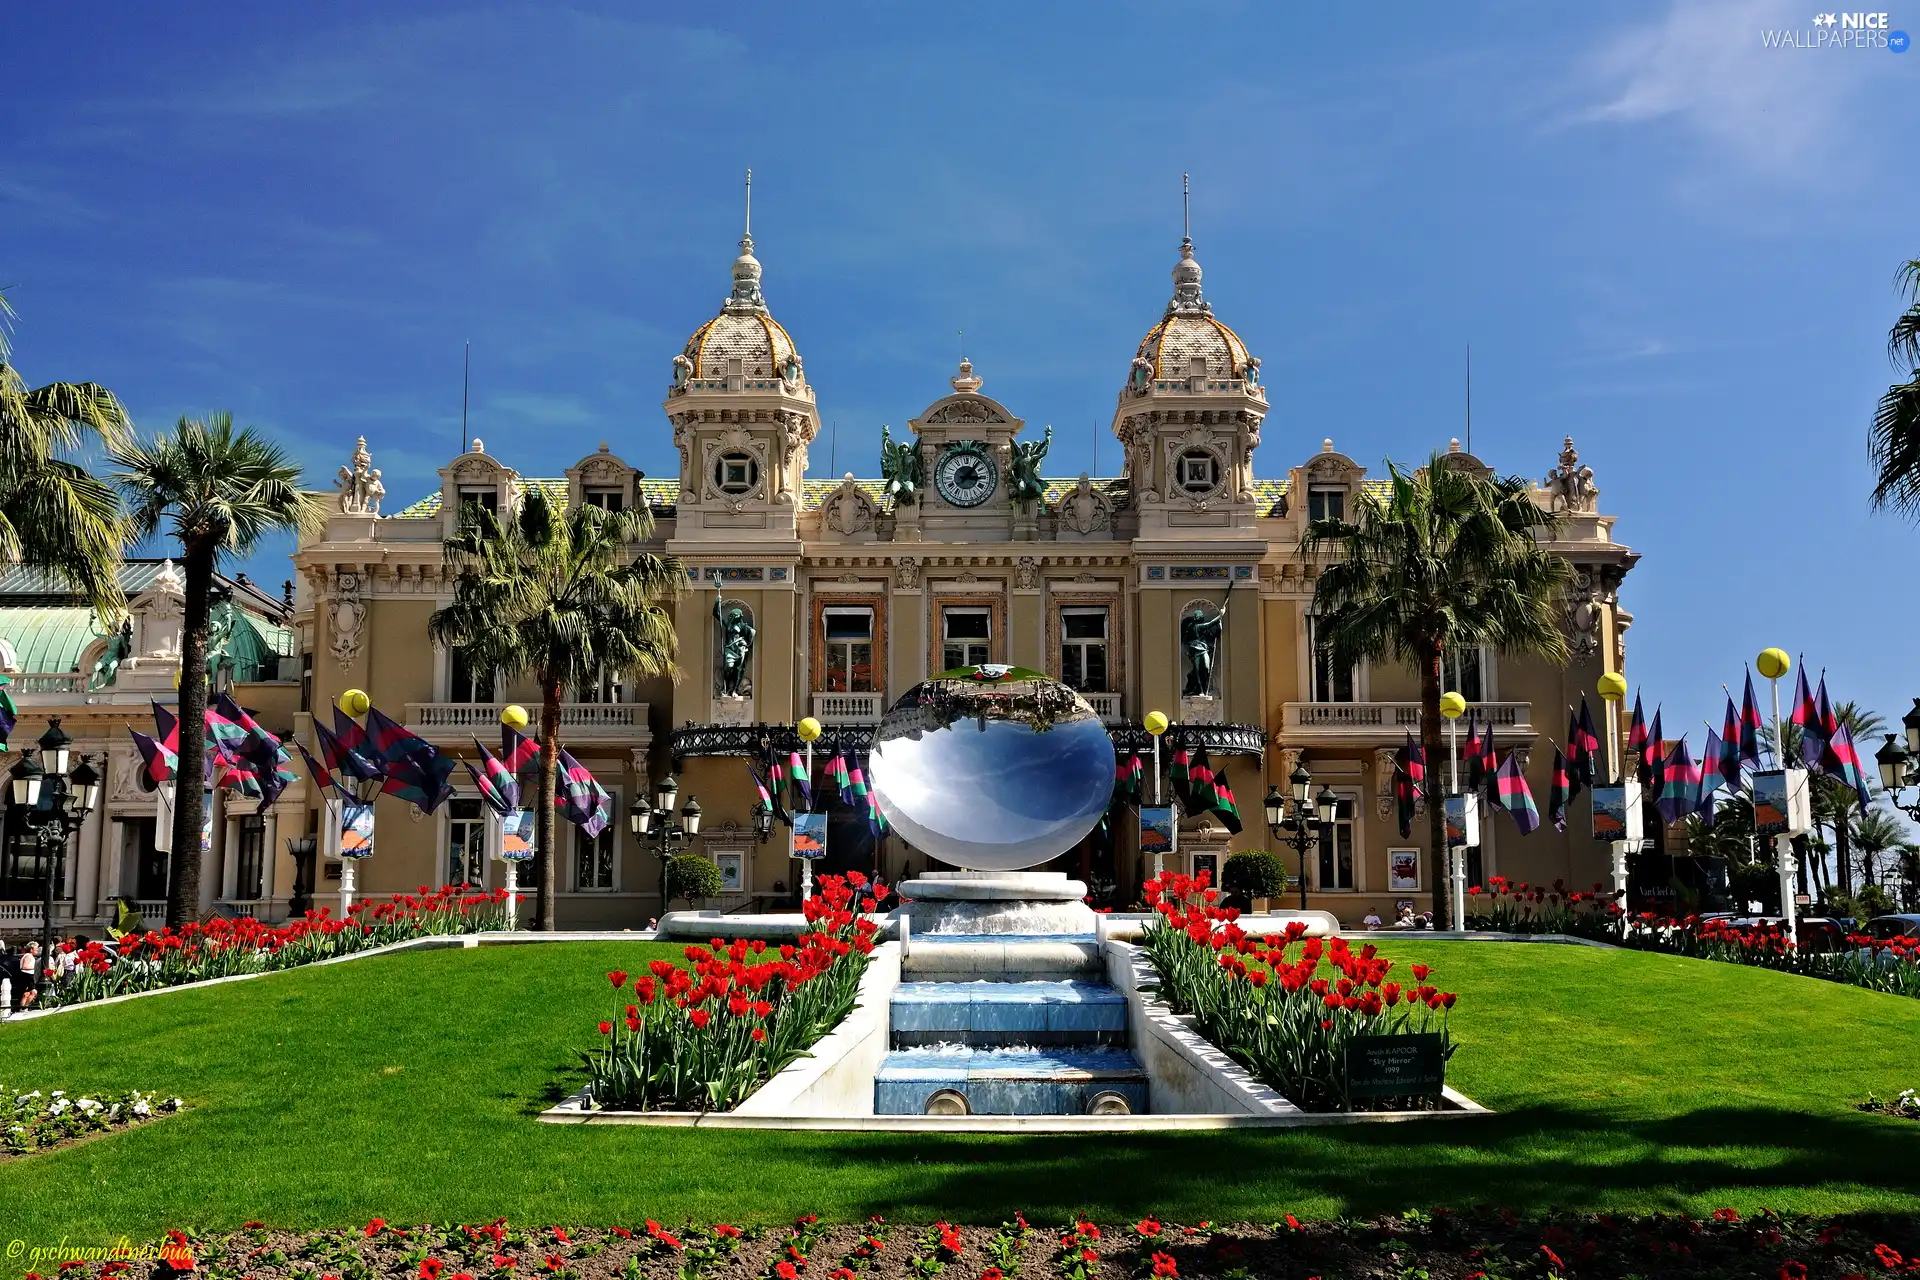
(1659, 237)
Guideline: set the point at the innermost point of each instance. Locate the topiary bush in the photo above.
(1255, 873)
(692, 877)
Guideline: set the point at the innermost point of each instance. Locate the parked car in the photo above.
(1895, 926)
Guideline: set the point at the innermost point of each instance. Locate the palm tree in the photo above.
(1876, 832)
(556, 596)
(220, 492)
(1894, 443)
(1443, 559)
(54, 512)
(1842, 799)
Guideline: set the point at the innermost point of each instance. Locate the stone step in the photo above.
(990, 1013)
(1009, 1081)
(1001, 957)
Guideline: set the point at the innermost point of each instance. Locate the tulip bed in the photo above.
(1504, 906)
(703, 1038)
(222, 948)
(1264, 1001)
(1479, 1244)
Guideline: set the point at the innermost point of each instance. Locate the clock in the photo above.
(965, 476)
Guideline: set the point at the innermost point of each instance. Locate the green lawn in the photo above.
(405, 1086)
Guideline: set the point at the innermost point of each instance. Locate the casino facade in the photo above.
(852, 590)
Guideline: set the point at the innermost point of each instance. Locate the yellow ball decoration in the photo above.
(1613, 686)
(355, 702)
(514, 716)
(1156, 723)
(1452, 706)
(808, 729)
(1773, 663)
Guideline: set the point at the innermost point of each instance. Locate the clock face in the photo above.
(965, 478)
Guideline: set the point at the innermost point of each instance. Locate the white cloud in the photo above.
(1705, 67)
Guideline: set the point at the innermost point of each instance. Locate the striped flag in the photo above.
(1819, 730)
(1511, 793)
(798, 781)
(581, 798)
(416, 770)
(157, 763)
(1727, 765)
(343, 761)
(499, 789)
(1560, 792)
(1200, 789)
(760, 787)
(1223, 805)
(1679, 784)
(1178, 774)
(1713, 770)
(323, 778)
(1409, 776)
(1583, 746)
(1749, 727)
(271, 760)
(1473, 755)
(1128, 776)
(1841, 760)
(517, 751)
(1637, 739)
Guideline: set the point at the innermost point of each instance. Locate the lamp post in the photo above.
(1774, 663)
(1452, 707)
(55, 802)
(653, 824)
(1287, 817)
(1612, 687)
(1155, 724)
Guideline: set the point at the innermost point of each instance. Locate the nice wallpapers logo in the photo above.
(1839, 31)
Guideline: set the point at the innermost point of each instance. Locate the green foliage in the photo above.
(1255, 873)
(1444, 558)
(54, 511)
(693, 877)
(1894, 442)
(562, 597)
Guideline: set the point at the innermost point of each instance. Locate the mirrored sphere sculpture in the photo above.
(992, 768)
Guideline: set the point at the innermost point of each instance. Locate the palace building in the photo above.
(841, 594)
(831, 598)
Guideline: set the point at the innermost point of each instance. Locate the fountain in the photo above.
(1004, 1008)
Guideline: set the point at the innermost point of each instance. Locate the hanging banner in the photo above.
(1782, 804)
(1463, 821)
(517, 836)
(1616, 813)
(809, 836)
(356, 831)
(1159, 830)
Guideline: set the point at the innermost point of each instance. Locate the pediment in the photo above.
(965, 409)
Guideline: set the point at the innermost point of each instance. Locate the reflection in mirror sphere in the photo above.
(992, 769)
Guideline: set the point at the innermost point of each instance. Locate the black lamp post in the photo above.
(1292, 822)
(55, 802)
(653, 824)
(1898, 768)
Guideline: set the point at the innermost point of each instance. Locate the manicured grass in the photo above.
(404, 1086)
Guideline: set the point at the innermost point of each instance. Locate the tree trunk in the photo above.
(1430, 743)
(1843, 847)
(543, 916)
(189, 806)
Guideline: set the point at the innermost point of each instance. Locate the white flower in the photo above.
(142, 1110)
(174, 1104)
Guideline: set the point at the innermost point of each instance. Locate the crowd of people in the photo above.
(27, 973)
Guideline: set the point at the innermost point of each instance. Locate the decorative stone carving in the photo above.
(849, 510)
(963, 412)
(1586, 604)
(1570, 485)
(359, 484)
(906, 574)
(1383, 770)
(1205, 709)
(348, 616)
(1026, 573)
(682, 371)
(1084, 510)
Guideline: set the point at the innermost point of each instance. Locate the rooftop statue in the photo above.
(1024, 479)
(899, 466)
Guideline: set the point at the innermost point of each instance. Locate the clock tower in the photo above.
(965, 442)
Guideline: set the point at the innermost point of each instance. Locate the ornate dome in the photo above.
(1188, 330)
(744, 330)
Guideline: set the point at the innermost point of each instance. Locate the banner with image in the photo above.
(356, 831)
(517, 836)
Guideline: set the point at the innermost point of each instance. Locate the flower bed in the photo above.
(703, 1038)
(34, 1121)
(1484, 1244)
(222, 948)
(1265, 1002)
(1504, 906)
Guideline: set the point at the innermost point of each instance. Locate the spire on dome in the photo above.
(746, 297)
(1186, 272)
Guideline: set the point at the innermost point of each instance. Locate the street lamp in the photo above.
(656, 826)
(1898, 770)
(1299, 827)
(55, 804)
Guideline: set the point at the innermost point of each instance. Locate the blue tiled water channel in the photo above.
(1039, 1047)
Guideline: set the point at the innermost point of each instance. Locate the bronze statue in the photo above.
(1023, 480)
(735, 636)
(899, 466)
(1200, 644)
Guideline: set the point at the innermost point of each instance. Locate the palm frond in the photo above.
(1894, 446)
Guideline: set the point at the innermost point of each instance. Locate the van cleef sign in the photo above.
(1395, 1066)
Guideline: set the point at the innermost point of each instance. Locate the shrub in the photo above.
(704, 1038)
(1274, 1013)
(1255, 873)
(693, 877)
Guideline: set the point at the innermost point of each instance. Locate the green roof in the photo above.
(47, 640)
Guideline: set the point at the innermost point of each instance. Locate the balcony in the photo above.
(1105, 705)
(1381, 723)
(455, 722)
(848, 708)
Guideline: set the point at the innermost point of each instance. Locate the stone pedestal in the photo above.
(1002, 902)
(1205, 709)
(733, 711)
